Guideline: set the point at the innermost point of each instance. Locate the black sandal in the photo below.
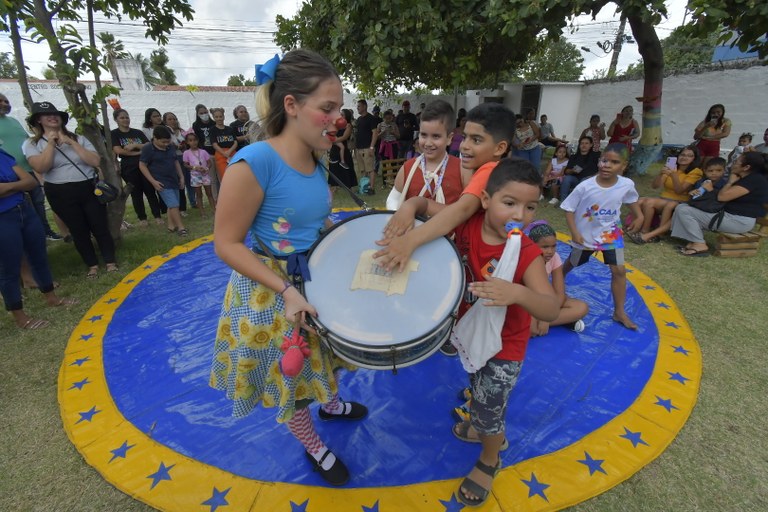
(477, 489)
(338, 474)
(448, 349)
(636, 237)
(461, 431)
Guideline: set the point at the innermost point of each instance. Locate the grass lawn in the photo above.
(719, 462)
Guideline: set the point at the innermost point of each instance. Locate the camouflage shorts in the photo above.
(491, 386)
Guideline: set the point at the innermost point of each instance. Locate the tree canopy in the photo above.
(8, 67)
(744, 20)
(151, 78)
(158, 61)
(240, 80)
(112, 49)
(682, 52)
(454, 43)
(552, 61)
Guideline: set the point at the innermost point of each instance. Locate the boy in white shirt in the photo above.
(593, 213)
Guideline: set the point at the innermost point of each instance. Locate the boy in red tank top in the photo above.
(434, 175)
(489, 131)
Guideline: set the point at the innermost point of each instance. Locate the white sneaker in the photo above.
(553, 201)
(579, 326)
(541, 197)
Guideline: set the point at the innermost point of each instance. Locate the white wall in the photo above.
(744, 92)
(130, 76)
(685, 102)
(182, 103)
(560, 103)
(514, 94)
(475, 97)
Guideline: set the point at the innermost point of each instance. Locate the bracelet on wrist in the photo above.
(286, 286)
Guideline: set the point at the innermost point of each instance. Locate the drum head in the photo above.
(373, 317)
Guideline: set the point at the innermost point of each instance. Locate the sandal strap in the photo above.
(462, 431)
(470, 485)
(488, 470)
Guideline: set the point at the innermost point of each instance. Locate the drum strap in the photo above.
(298, 268)
(359, 201)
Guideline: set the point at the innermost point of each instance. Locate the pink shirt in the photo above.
(555, 262)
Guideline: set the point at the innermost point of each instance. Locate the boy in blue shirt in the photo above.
(158, 163)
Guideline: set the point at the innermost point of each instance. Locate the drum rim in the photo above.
(451, 316)
(391, 367)
(377, 349)
(362, 213)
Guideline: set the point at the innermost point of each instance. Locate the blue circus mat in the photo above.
(589, 410)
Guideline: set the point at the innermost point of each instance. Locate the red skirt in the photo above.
(708, 147)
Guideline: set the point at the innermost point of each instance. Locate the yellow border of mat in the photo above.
(167, 480)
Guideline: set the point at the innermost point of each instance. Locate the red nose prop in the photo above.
(340, 123)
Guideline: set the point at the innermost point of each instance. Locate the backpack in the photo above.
(364, 185)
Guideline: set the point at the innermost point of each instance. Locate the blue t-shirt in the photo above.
(161, 164)
(7, 175)
(295, 205)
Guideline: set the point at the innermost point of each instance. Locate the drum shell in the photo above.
(368, 328)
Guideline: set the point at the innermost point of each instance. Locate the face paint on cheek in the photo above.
(321, 120)
(324, 120)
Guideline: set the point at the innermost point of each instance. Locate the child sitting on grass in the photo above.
(572, 311)
(555, 172)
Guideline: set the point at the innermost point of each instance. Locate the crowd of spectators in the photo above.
(160, 164)
(173, 170)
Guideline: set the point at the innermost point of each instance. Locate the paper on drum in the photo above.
(369, 275)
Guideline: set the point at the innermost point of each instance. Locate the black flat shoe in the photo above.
(338, 474)
(351, 411)
(448, 349)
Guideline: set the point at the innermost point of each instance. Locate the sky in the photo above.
(227, 37)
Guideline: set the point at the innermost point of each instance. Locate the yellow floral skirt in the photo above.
(246, 360)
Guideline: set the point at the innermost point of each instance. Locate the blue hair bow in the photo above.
(266, 72)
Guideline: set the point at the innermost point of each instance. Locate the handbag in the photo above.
(707, 202)
(105, 192)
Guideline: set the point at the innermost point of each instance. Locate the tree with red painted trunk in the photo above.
(460, 44)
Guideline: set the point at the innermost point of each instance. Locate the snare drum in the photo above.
(375, 329)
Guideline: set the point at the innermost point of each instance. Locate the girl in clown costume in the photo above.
(259, 356)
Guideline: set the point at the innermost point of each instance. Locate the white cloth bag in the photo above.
(477, 336)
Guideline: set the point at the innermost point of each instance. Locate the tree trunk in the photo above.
(81, 109)
(653, 68)
(115, 209)
(19, 57)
